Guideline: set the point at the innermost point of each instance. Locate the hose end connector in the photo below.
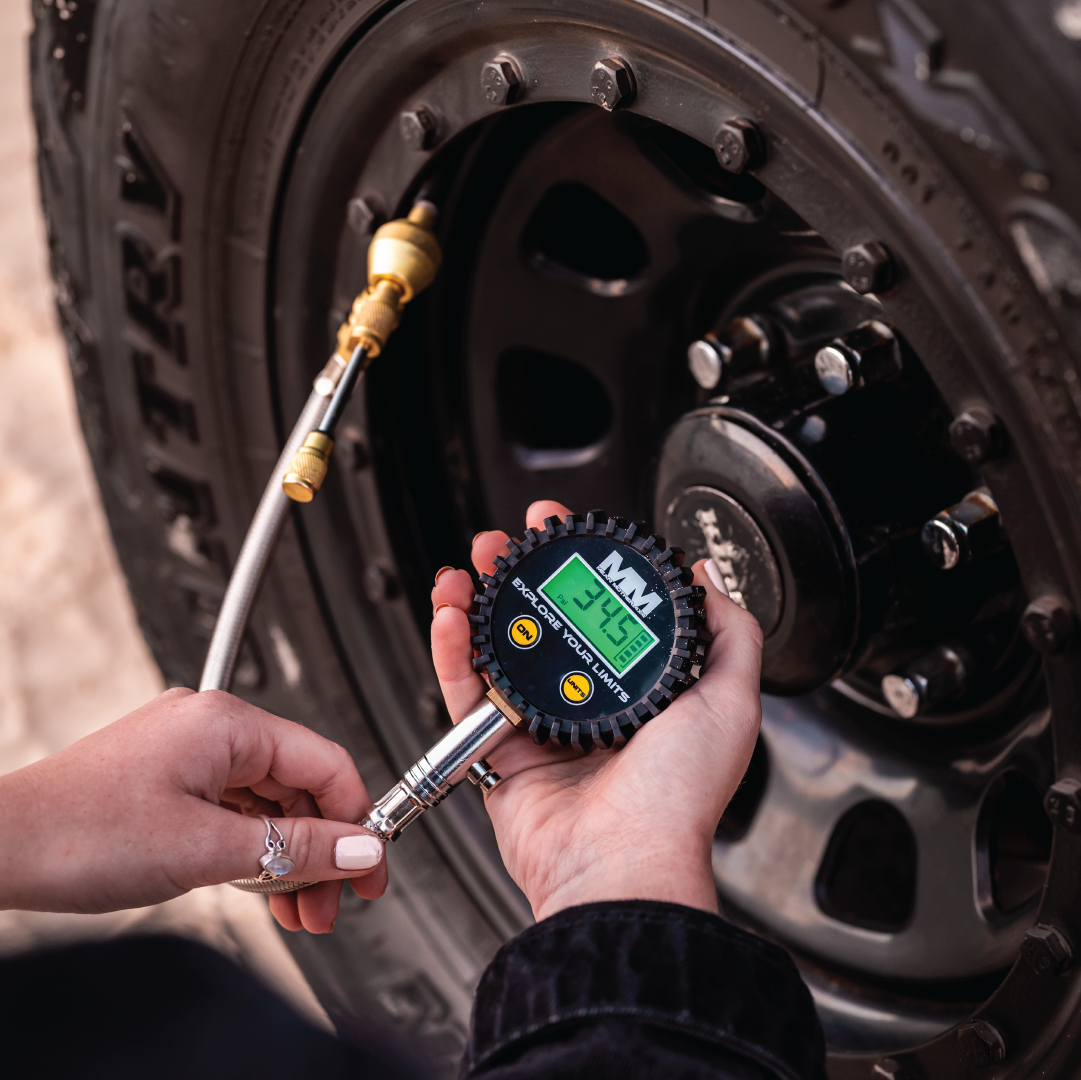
(309, 468)
(403, 258)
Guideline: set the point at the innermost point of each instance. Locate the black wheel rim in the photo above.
(382, 532)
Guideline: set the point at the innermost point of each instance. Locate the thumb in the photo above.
(320, 849)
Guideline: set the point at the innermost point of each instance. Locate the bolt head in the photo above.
(500, 81)
(612, 84)
(902, 695)
(1048, 624)
(981, 1043)
(868, 267)
(1063, 804)
(977, 435)
(706, 362)
(363, 216)
(418, 127)
(738, 145)
(942, 542)
(1046, 950)
(834, 368)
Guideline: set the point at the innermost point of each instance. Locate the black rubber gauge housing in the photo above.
(590, 627)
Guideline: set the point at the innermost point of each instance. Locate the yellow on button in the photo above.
(525, 632)
(577, 687)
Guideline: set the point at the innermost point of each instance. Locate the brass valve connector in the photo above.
(309, 468)
(403, 258)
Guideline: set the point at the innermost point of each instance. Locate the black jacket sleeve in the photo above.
(642, 989)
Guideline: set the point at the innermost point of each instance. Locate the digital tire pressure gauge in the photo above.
(587, 630)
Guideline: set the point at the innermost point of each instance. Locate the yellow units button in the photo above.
(524, 632)
(577, 687)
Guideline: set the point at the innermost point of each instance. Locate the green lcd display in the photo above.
(598, 614)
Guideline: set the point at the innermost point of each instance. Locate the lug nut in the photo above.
(738, 145)
(1048, 624)
(834, 366)
(1063, 804)
(612, 84)
(418, 127)
(960, 532)
(706, 362)
(500, 81)
(928, 681)
(868, 267)
(1046, 950)
(981, 1043)
(977, 435)
(869, 354)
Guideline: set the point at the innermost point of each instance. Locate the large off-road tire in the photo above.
(210, 173)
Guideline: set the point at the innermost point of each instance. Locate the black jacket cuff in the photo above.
(654, 964)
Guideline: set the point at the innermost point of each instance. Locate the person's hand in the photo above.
(146, 809)
(636, 823)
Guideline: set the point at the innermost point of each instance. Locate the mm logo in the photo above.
(629, 583)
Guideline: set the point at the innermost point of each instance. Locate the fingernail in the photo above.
(439, 608)
(713, 572)
(440, 571)
(357, 852)
(478, 536)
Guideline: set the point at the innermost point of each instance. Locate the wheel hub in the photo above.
(721, 475)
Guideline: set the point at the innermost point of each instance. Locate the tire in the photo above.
(210, 174)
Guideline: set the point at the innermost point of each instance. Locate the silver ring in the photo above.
(275, 862)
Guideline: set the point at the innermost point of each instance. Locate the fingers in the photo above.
(315, 908)
(454, 587)
(544, 508)
(452, 656)
(735, 656)
(277, 758)
(486, 546)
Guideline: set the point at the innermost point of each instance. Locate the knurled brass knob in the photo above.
(309, 468)
(375, 316)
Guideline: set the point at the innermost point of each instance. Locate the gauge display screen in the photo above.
(594, 609)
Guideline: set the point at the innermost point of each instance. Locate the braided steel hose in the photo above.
(403, 258)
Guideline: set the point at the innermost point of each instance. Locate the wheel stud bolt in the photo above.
(959, 532)
(931, 680)
(977, 436)
(1046, 950)
(743, 345)
(500, 81)
(1063, 804)
(869, 354)
(1048, 624)
(418, 127)
(706, 361)
(981, 1042)
(738, 145)
(868, 267)
(612, 84)
(834, 366)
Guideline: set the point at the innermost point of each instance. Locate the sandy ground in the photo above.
(71, 655)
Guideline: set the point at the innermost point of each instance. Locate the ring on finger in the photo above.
(274, 861)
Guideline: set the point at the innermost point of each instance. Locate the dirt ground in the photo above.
(71, 655)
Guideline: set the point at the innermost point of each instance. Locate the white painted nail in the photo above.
(357, 852)
(713, 572)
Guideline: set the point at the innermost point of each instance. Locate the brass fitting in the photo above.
(309, 468)
(403, 258)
